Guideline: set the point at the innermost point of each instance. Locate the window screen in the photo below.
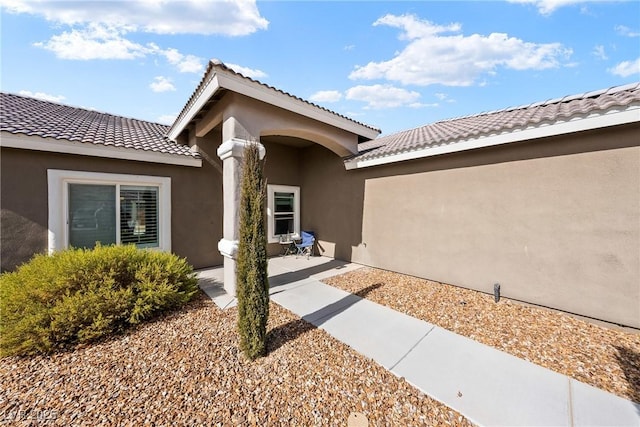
(139, 216)
(284, 213)
(91, 215)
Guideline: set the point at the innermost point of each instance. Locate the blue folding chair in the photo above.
(305, 247)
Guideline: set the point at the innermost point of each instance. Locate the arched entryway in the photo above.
(231, 111)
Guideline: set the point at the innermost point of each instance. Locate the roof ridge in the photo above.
(567, 98)
(90, 110)
(531, 107)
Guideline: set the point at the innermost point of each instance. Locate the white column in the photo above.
(231, 153)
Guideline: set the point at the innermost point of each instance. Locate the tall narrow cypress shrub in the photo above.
(251, 268)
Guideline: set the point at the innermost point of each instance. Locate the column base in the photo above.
(230, 276)
(229, 250)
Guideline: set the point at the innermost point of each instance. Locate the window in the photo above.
(92, 214)
(88, 207)
(139, 216)
(283, 211)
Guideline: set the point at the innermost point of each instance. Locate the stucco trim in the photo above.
(261, 93)
(235, 147)
(271, 190)
(58, 201)
(222, 79)
(211, 86)
(228, 248)
(579, 124)
(37, 143)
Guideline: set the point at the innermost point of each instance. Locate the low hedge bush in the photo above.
(80, 295)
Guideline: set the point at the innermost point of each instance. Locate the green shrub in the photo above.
(251, 268)
(80, 295)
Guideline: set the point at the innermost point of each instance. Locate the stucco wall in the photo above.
(282, 167)
(556, 222)
(196, 204)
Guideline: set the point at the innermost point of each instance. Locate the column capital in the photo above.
(234, 147)
(228, 248)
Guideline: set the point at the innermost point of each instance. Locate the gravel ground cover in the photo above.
(602, 357)
(185, 369)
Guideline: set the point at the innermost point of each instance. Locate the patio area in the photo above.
(486, 385)
(283, 271)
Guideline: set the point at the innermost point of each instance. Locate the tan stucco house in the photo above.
(543, 199)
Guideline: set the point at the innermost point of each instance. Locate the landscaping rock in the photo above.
(185, 369)
(604, 357)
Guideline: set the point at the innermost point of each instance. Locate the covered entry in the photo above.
(226, 112)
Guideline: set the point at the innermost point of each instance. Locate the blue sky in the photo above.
(393, 65)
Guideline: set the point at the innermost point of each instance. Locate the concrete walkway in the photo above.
(486, 385)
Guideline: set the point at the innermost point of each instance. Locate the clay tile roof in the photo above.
(449, 132)
(218, 64)
(35, 117)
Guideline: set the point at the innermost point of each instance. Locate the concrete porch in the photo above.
(284, 273)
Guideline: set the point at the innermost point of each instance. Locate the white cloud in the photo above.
(102, 42)
(166, 119)
(326, 96)
(93, 42)
(42, 95)
(455, 60)
(231, 17)
(444, 97)
(626, 31)
(190, 64)
(184, 63)
(383, 96)
(547, 7)
(247, 72)
(599, 52)
(98, 30)
(626, 68)
(162, 84)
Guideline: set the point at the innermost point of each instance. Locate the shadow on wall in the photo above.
(20, 236)
(332, 202)
(629, 361)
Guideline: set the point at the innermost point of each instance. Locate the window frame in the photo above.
(58, 197)
(271, 190)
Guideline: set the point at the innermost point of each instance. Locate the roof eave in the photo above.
(38, 143)
(613, 117)
(255, 90)
(221, 78)
(209, 87)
